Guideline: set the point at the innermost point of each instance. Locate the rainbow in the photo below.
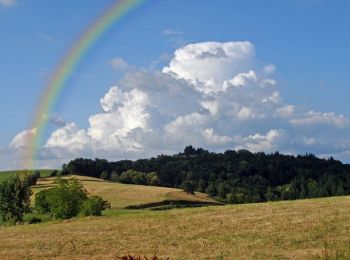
(69, 62)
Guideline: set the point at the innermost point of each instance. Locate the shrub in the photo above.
(188, 186)
(114, 176)
(94, 206)
(62, 201)
(34, 220)
(67, 199)
(42, 204)
(54, 173)
(30, 179)
(104, 176)
(153, 179)
(14, 199)
(37, 174)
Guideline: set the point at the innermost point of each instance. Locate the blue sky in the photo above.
(307, 41)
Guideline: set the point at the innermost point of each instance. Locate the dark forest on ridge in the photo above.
(231, 177)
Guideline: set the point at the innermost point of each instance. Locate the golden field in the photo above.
(303, 229)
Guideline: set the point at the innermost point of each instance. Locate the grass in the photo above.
(315, 228)
(123, 195)
(6, 174)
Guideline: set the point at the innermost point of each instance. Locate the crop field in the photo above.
(123, 195)
(314, 228)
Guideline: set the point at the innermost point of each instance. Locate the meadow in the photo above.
(124, 195)
(311, 228)
(6, 174)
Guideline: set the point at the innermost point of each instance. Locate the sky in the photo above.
(229, 74)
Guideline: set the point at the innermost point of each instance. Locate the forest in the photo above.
(230, 177)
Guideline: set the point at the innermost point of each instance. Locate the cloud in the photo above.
(119, 64)
(207, 65)
(56, 120)
(212, 95)
(21, 140)
(175, 37)
(318, 118)
(270, 142)
(8, 3)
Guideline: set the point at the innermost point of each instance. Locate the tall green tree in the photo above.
(14, 199)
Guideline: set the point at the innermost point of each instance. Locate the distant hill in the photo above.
(43, 173)
(231, 177)
(136, 196)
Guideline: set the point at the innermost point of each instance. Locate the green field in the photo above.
(313, 228)
(6, 174)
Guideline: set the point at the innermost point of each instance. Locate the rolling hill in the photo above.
(126, 195)
(312, 228)
(6, 174)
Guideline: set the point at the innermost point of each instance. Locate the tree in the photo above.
(63, 200)
(211, 190)
(30, 179)
(104, 175)
(153, 179)
(189, 150)
(188, 186)
(94, 206)
(114, 176)
(14, 199)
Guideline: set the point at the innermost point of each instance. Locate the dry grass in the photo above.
(317, 228)
(122, 195)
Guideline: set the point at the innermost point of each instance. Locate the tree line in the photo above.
(231, 177)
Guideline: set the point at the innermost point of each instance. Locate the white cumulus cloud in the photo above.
(215, 95)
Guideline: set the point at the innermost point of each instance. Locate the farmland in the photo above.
(311, 228)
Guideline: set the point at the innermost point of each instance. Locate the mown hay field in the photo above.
(123, 195)
(303, 229)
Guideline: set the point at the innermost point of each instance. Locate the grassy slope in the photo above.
(6, 174)
(284, 230)
(122, 195)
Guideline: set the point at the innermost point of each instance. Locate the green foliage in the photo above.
(152, 179)
(94, 206)
(189, 186)
(67, 199)
(233, 176)
(14, 199)
(34, 220)
(104, 175)
(63, 201)
(114, 176)
(42, 204)
(31, 178)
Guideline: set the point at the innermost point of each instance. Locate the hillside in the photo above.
(232, 176)
(6, 174)
(123, 195)
(317, 228)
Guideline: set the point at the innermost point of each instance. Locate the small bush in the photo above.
(62, 201)
(67, 199)
(114, 176)
(37, 174)
(94, 206)
(42, 204)
(34, 220)
(31, 179)
(104, 176)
